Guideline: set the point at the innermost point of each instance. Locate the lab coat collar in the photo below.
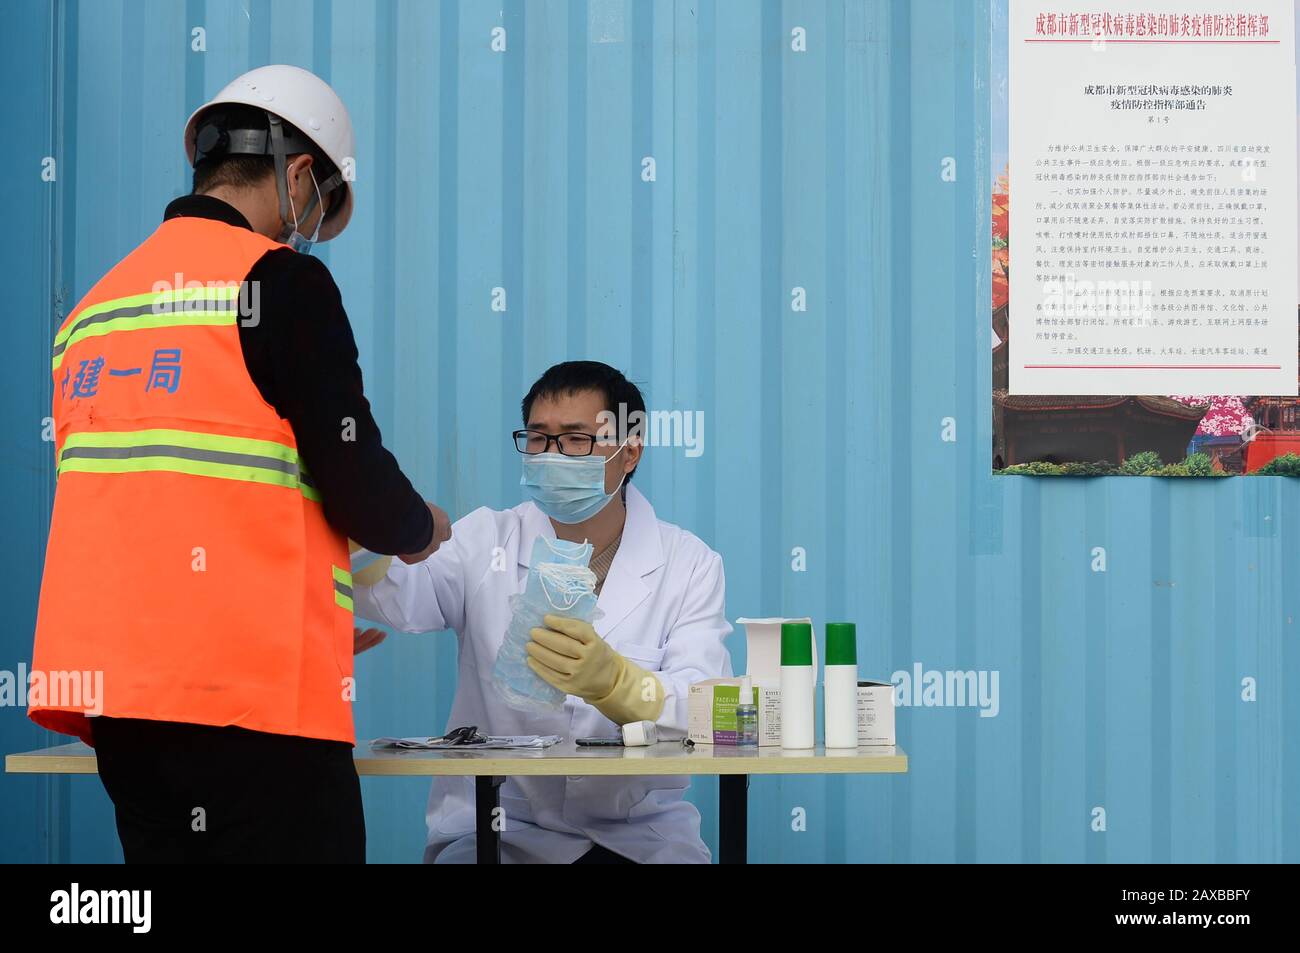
(639, 554)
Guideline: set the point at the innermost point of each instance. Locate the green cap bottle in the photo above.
(841, 643)
(796, 643)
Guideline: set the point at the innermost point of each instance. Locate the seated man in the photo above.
(662, 628)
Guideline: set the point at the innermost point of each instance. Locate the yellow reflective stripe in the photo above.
(169, 463)
(342, 587)
(185, 451)
(147, 322)
(178, 465)
(182, 438)
(218, 293)
(307, 485)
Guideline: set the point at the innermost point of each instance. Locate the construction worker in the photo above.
(215, 451)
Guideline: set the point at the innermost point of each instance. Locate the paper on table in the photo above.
(493, 741)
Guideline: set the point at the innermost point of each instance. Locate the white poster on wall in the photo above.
(1153, 159)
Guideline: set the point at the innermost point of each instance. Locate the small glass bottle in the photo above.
(746, 716)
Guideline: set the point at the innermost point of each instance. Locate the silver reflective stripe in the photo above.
(169, 307)
(343, 587)
(184, 453)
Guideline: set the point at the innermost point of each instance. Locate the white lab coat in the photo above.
(663, 605)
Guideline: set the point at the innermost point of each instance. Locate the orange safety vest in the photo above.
(190, 574)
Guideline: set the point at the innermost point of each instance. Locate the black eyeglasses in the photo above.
(569, 444)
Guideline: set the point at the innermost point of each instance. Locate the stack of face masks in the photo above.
(559, 583)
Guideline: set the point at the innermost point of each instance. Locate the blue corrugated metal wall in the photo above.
(775, 169)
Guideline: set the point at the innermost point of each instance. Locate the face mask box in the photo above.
(875, 713)
(711, 704)
(711, 712)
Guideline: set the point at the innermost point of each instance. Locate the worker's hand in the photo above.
(441, 533)
(367, 639)
(569, 655)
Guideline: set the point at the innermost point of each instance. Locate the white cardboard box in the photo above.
(712, 712)
(875, 713)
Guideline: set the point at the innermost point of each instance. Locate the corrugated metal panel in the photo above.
(776, 169)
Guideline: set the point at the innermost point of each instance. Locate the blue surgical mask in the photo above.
(568, 489)
(296, 239)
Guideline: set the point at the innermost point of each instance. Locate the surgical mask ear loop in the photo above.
(315, 232)
(576, 594)
(618, 451)
(550, 544)
(297, 240)
(287, 208)
(623, 478)
(621, 481)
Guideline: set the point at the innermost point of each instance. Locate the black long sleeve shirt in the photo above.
(303, 358)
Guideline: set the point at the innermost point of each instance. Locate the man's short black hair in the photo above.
(574, 377)
(239, 172)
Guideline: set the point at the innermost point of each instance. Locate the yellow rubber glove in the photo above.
(374, 572)
(571, 656)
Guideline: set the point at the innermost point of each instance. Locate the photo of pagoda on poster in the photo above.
(1145, 176)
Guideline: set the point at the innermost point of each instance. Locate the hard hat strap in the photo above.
(282, 181)
(332, 183)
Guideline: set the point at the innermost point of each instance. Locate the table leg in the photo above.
(487, 839)
(733, 818)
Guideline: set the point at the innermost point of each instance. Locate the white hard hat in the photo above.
(307, 102)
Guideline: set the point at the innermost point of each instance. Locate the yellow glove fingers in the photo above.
(564, 664)
(549, 675)
(574, 628)
(371, 574)
(572, 657)
(557, 642)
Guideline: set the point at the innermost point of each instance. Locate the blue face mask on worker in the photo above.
(568, 489)
(296, 239)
